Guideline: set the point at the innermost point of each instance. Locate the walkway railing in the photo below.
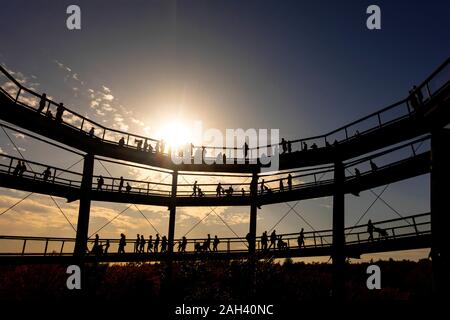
(388, 230)
(405, 108)
(300, 179)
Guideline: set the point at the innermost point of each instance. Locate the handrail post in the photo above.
(24, 245)
(379, 120)
(10, 165)
(62, 247)
(172, 208)
(415, 225)
(18, 94)
(228, 245)
(428, 90)
(46, 246)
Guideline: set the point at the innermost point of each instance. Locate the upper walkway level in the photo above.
(419, 113)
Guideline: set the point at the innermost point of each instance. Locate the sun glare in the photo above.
(175, 134)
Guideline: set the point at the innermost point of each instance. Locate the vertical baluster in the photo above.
(62, 247)
(46, 246)
(24, 245)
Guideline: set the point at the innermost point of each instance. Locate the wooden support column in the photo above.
(253, 213)
(440, 218)
(338, 250)
(85, 206)
(173, 209)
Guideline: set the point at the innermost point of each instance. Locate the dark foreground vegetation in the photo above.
(221, 281)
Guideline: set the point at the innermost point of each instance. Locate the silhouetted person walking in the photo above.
(128, 188)
(164, 244)
(17, 168)
(42, 103)
(246, 148)
(273, 239)
(157, 242)
(149, 244)
(136, 243)
(289, 181)
(301, 239)
(218, 189)
(262, 186)
(100, 182)
(281, 185)
(142, 244)
(59, 112)
(105, 251)
(122, 243)
(264, 240)
(46, 174)
(215, 243)
(194, 189)
(121, 184)
(283, 145)
(22, 169)
(207, 243)
(370, 230)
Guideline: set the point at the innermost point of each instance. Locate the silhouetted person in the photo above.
(281, 244)
(100, 182)
(122, 142)
(230, 191)
(224, 158)
(22, 169)
(289, 147)
(218, 189)
(145, 146)
(183, 244)
(96, 247)
(243, 192)
(283, 145)
(370, 230)
(289, 179)
(138, 144)
(373, 166)
(273, 239)
(314, 146)
(207, 243)
(122, 243)
(164, 244)
(194, 189)
(49, 114)
(92, 132)
(357, 173)
(17, 168)
(121, 184)
(149, 244)
(215, 243)
(42, 103)
(136, 243)
(281, 185)
(301, 239)
(128, 188)
(142, 244)
(105, 251)
(46, 174)
(157, 242)
(249, 238)
(327, 144)
(262, 186)
(59, 112)
(246, 150)
(264, 240)
(304, 146)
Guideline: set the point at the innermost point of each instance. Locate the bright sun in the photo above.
(175, 134)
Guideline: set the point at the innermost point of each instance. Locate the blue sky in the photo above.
(305, 67)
